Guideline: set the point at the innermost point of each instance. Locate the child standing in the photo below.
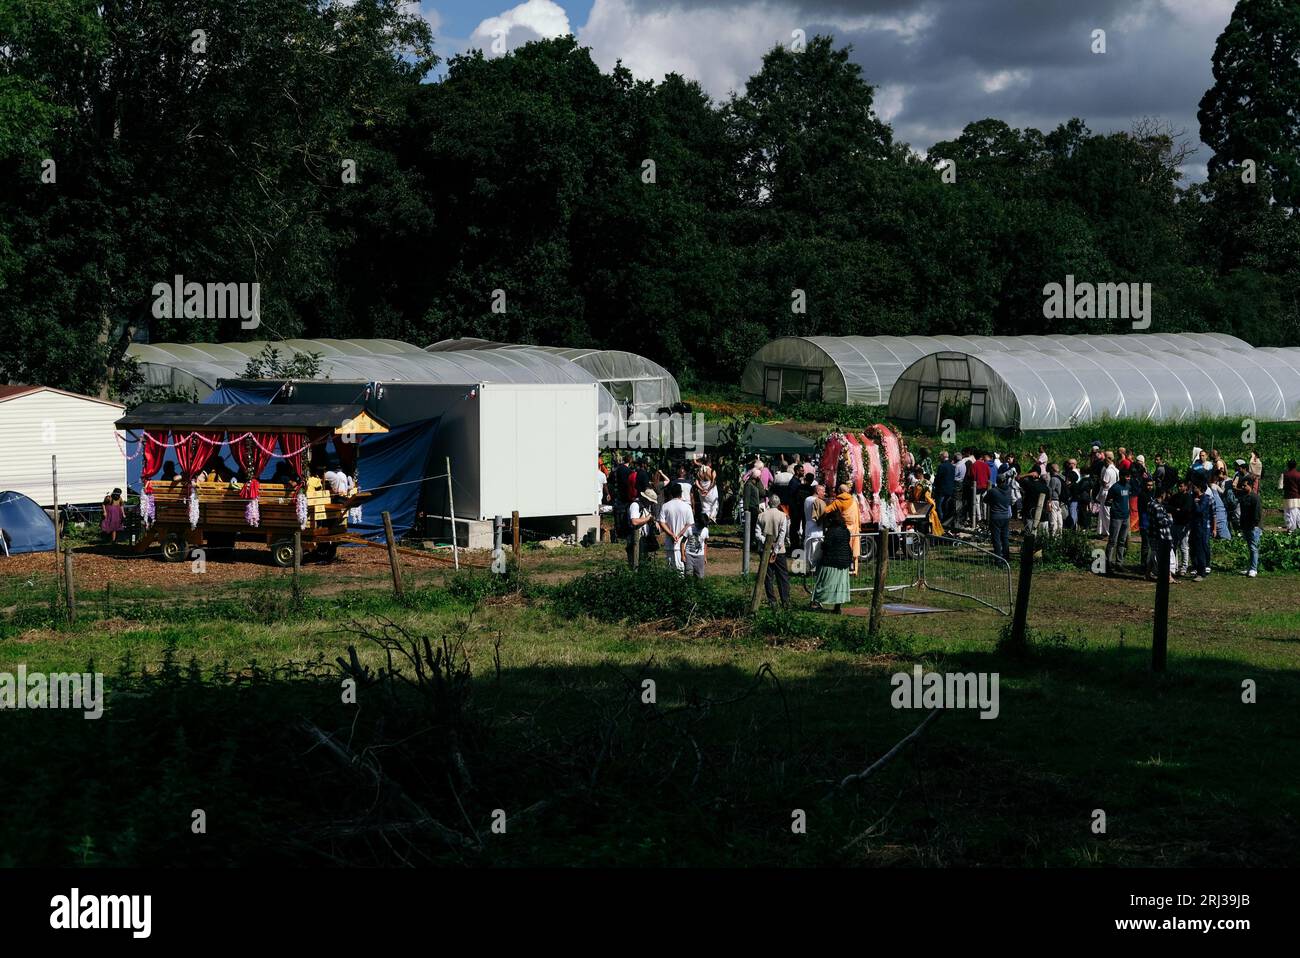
(114, 515)
(695, 545)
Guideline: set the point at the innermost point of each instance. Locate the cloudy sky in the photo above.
(937, 64)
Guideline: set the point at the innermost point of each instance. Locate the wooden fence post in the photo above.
(1019, 644)
(878, 593)
(297, 563)
(514, 519)
(392, 555)
(71, 585)
(58, 544)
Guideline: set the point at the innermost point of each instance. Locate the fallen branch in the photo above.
(350, 760)
(885, 759)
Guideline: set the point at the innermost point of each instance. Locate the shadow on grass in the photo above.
(580, 766)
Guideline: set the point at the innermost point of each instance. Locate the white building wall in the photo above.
(77, 429)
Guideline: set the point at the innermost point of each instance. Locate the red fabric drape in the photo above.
(193, 449)
(152, 454)
(191, 452)
(254, 456)
(293, 447)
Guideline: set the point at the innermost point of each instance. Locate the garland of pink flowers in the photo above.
(887, 487)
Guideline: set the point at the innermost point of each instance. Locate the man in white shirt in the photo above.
(339, 482)
(675, 518)
(1109, 476)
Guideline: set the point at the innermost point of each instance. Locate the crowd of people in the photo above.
(1113, 495)
(654, 512)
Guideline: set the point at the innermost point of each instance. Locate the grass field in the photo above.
(753, 720)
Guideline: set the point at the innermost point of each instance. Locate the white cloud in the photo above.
(999, 81)
(908, 28)
(527, 21)
(889, 100)
(719, 46)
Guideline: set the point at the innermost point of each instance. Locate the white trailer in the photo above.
(37, 422)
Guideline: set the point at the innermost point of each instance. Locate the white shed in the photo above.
(37, 422)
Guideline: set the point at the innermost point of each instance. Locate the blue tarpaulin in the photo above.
(25, 525)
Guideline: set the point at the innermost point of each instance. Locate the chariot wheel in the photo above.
(173, 547)
(282, 553)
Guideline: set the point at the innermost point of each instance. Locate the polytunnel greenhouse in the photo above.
(639, 386)
(198, 367)
(1056, 389)
(863, 369)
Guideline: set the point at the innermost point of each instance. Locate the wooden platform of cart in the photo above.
(222, 517)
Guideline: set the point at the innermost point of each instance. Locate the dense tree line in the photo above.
(300, 144)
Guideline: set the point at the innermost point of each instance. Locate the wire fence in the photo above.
(958, 567)
(944, 564)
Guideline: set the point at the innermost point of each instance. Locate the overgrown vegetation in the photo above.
(653, 593)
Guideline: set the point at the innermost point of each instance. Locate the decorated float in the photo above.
(197, 506)
(871, 463)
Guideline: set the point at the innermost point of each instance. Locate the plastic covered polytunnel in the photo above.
(1058, 388)
(639, 386)
(863, 369)
(198, 367)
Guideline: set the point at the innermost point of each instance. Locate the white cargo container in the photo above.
(537, 449)
(37, 422)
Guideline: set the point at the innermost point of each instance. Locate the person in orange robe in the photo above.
(847, 505)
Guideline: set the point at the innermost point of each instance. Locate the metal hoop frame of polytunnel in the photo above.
(1056, 389)
(630, 378)
(199, 366)
(863, 369)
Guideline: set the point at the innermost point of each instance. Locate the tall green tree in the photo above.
(1253, 110)
(204, 140)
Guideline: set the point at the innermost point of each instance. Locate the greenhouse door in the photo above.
(772, 385)
(927, 408)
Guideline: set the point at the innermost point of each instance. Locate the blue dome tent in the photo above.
(25, 525)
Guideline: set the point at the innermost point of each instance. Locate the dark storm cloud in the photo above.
(1028, 62)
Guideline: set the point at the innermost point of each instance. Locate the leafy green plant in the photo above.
(1278, 552)
(1069, 549)
(650, 594)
